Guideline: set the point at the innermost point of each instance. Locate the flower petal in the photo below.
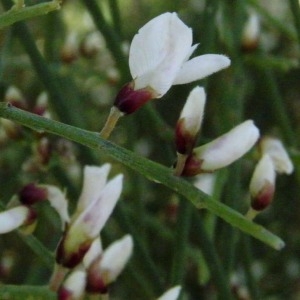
(115, 258)
(229, 147)
(13, 218)
(171, 294)
(94, 180)
(157, 65)
(58, 201)
(200, 67)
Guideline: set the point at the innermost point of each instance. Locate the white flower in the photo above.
(205, 182)
(278, 154)
(262, 184)
(190, 120)
(159, 54)
(96, 203)
(222, 151)
(171, 294)
(159, 58)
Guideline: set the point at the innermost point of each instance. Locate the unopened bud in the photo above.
(277, 153)
(251, 32)
(69, 52)
(108, 267)
(73, 287)
(262, 185)
(190, 121)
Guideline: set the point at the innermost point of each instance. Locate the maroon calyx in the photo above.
(184, 141)
(71, 260)
(192, 166)
(264, 197)
(128, 100)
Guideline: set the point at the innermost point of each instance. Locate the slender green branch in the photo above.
(21, 292)
(147, 168)
(211, 256)
(115, 13)
(112, 39)
(280, 26)
(295, 9)
(181, 243)
(16, 14)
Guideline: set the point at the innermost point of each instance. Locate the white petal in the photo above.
(94, 179)
(171, 294)
(278, 154)
(229, 147)
(58, 201)
(170, 47)
(193, 110)
(205, 182)
(13, 218)
(263, 174)
(94, 251)
(146, 53)
(93, 218)
(115, 257)
(200, 67)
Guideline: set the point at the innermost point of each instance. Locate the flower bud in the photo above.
(262, 184)
(108, 267)
(222, 151)
(32, 193)
(251, 32)
(73, 287)
(171, 294)
(190, 121)
(277, 153)
(13, 218)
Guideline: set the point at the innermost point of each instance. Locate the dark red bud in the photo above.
(264, 197)
(64, 294)
(128, 100)
(95, 280)
(184, 140)
(31, 194)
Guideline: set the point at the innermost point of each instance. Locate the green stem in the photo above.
(295, 9)
(212, 259)
(278, 107)
(115, 13)
(147, 168)
(151, 269)
(112, 39)
(180, 243)
(21, 292)
(248, 260)
(273, 22)
(18, 14)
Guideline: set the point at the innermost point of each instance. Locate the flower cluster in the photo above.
(159, 57)
(216, 154)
